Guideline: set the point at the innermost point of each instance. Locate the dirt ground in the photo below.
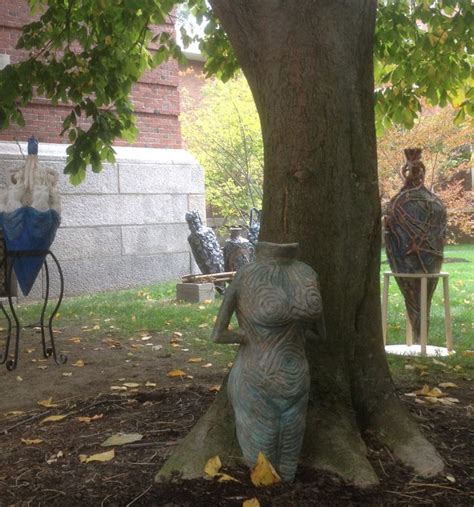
(40, 461)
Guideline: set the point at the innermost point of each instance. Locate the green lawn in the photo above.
(153, 309)
(461, 291)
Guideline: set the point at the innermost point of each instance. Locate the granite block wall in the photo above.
(125, 226)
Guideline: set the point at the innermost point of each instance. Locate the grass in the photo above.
(153, 309)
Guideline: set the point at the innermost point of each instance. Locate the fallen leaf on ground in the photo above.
(96, 327)
(194, 359)
(47, 403)
(447, 384)
(204, 325)
(87, 419)
(150, 384)
(31, 441)
(79, 364)
(121, 439)
(176, 373)
(177, 334)
(468, 353)
(67, 374)
(29, 351)
(14, 413)
(146, 337)
(19, 379)
(175, 345)
(53, 418)
(215, 389)
(213, 466)
(111, 343)
(42, 367)
(252, 502)
(207, 365)
(264, 474)
(102, 456)
(156, 347)
(132, 385)
(54, 457)
(225, 478)
(75, 339)
(439, 363)
(118, 388)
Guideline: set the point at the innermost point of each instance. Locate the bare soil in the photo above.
(51, 473)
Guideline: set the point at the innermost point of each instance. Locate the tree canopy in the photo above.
(89, 53)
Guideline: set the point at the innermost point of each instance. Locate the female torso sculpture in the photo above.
(276, 300)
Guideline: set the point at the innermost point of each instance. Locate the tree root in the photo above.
(213, 434)
(333, 442)
(394, 427)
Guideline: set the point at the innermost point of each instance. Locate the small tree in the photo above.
(224, 135)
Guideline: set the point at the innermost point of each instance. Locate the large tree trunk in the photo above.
(309, 66)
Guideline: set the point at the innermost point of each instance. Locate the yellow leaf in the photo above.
(31, 441)
(213, 466)
(225, 478)
(121, 439)
(103, 456)
(47, 403)
(53, 418)
(436, 393)
(194, 359)
(264, 474)
(88, 419)
(176, 373)
(252, 502)
(444, 385)
(423, 391)
(78, 364)
(14, 413)
(177, 334)
(75, 339)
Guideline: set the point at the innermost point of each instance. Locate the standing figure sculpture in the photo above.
(277, 303)
(238, 251)
(204, 245)
(415, 226)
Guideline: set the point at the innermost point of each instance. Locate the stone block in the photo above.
(195, 292)
(86, 276)
(74, 243)
(148, 239)
(100, 210)
(198, 201)
(147, 178)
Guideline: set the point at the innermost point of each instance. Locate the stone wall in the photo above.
(125, 226)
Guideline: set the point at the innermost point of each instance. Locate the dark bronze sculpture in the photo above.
(415, 226)
(277, 303)
(254, 225)
(204, 245)
(238, 251)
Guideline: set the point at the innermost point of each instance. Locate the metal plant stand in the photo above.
(46, 327)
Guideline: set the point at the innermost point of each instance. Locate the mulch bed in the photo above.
(51, 473)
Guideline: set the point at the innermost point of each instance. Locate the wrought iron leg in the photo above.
(11, 364)
(4, 357)
(46, 353)
(61, 358)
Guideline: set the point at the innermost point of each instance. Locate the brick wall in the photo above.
(155, 97)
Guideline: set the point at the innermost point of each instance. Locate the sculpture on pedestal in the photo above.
(415, 226)
(237, 250)
(277, 303)
(204, 245)
(30, 215)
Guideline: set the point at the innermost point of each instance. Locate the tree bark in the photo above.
(309, 66)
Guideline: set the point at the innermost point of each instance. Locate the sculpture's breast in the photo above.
(279, 294)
